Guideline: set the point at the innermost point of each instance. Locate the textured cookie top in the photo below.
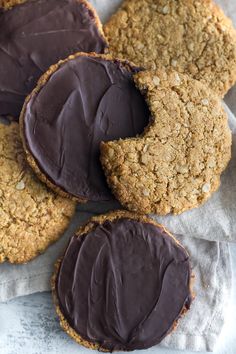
(176, 164)
(35, 35)
(191, 36)
(31, 216)
(128, 283)
(77, 104)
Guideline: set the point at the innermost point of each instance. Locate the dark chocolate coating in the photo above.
(35, 35)
(124, 284)
(86, 101)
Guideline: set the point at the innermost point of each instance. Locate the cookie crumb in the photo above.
(177, 80)
(20, 185)
(205, 102)
(174, 63)
(110, 152)
(182, 169)
(156, 80)
(191, 47)
(206, 188)
(146, 192)
(166, 10)
(144, 159)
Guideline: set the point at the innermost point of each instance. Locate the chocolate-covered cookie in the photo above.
(36, 34)
(77, 104)
(123, 283)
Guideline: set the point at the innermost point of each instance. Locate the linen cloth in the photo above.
(199, 230)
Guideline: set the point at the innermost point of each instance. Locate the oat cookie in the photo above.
(191, 36)
(36, 34)
(109, 260)
(175, 165)
(78, 103)
(31, 216)
(8, 4)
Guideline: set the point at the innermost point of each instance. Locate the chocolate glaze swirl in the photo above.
(35, 35)
(87, 100)
(123, 284)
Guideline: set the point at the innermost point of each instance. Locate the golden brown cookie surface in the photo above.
(110, 258)
(191, 36)
(31, 216)
(7, 4)
(175, 165)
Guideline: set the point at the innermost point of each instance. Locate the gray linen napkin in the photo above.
(200, 328)
(211, 262)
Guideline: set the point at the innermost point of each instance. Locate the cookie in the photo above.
(78, 103)
(191, 36)
(31, 216)
(129, 282)
(36, 34)
(175, 165)
(8, 4)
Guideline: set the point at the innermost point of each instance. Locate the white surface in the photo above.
(28, 325)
